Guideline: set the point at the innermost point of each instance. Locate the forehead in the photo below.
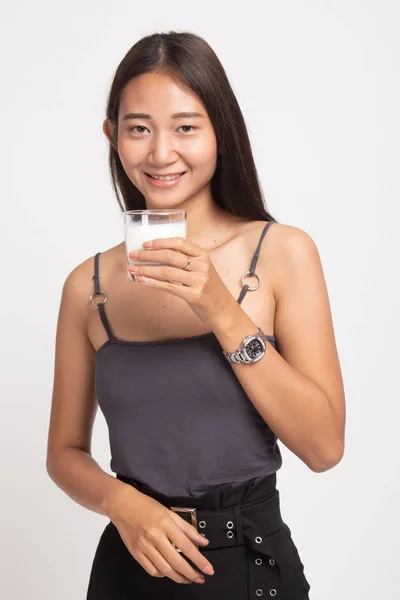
(158, 94)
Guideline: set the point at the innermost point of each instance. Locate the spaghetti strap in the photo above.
(100, 305)
(99, 292)
(253, 266)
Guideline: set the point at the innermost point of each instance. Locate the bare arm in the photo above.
(298, 391)
(69, 461)
(143, 523)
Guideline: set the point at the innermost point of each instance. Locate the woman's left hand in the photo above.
(200, 285)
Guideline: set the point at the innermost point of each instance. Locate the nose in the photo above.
(162, 149)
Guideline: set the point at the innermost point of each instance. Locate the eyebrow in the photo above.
(179, 115)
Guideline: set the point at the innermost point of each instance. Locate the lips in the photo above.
(165, 183)
(165, 175)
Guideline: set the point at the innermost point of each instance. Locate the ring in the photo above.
(102, 293)
(188, 263)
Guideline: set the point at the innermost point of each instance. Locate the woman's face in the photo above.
(160, 142)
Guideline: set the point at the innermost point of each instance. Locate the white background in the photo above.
(318, 84)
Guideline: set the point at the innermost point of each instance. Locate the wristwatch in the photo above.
(252, 349)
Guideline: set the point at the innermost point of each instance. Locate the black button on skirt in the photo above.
(261, 560)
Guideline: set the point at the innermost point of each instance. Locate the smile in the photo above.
(165, 180)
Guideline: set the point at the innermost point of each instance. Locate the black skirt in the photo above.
(250, 548)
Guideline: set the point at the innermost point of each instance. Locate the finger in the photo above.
(176, 243)
(164, 566)
(165, 273)
(185, 292)
(176, 559)
(167, 256)
(188, 529)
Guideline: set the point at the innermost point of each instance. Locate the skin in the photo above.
(304, 378)
(163, 145)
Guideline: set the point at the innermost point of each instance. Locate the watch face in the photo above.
(254, 348)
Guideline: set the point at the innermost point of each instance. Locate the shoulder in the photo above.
(79, 283)
(285, 239)
(77, 288)
(285, 251)
(80, 278)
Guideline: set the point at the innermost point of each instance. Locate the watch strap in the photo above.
(238, 357)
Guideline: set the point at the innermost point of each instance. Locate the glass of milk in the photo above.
(144, 225)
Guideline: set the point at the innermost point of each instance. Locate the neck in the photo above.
(207, 223)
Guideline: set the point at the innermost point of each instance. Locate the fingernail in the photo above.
(200, 580)
(208, 569)
(133, 254)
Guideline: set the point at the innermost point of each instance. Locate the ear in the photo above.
(109, 130)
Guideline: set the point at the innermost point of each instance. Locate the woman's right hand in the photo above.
(147, 529)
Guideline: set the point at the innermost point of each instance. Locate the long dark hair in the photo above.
(189, 59)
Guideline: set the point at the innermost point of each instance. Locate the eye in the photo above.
(187, 126)
(135, 126)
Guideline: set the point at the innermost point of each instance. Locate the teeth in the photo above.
(166, 177)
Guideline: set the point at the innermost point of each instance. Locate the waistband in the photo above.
(219, 497)
(220, 514)
(245, 514)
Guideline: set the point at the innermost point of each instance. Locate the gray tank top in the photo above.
(177, 416)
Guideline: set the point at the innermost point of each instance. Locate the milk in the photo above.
(138, 232)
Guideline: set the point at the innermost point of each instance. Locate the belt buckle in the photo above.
(193, 516)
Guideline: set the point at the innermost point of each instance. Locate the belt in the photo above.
(274, 564)
(275, 568)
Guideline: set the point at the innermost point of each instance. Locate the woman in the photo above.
(193, 429)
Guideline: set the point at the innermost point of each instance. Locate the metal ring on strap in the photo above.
(97, 294)
(255, 275)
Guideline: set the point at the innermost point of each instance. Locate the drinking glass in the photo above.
(144, 225)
